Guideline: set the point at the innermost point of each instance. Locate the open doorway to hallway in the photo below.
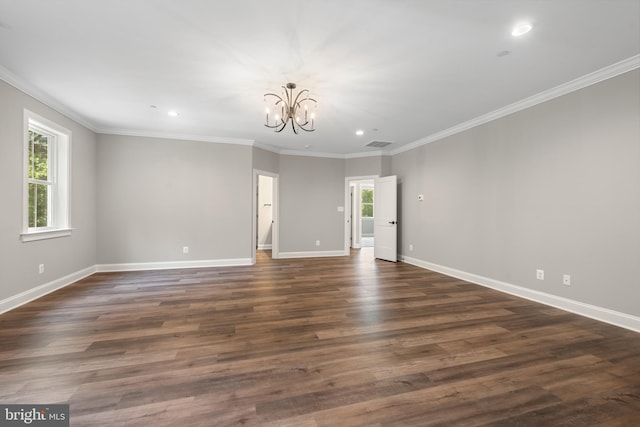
(359, 234)
(264, 227)
(265, 213)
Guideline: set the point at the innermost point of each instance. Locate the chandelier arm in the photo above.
(298, 104)
(278, 97)
(298, 96)
(304, 129)
(288, 92)
(282, 126)
(279, 100)
(273, 94)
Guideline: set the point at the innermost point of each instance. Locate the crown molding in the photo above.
(581, 82)
(377, 153)
(27, 88)
(277, 150)
(311, 154)
(176, 136)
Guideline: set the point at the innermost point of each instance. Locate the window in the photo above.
(46, 189)
(367, 203)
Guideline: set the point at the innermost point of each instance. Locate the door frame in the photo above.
(347, 203)
(275, 212)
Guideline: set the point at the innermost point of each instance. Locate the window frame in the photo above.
(58, 180)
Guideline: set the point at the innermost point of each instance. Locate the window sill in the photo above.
(46, 234)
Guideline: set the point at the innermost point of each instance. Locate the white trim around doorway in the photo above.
(275, 237)
(347, 211)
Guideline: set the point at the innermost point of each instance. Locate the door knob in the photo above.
(392, 222)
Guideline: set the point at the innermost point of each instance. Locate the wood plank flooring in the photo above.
(346, 341)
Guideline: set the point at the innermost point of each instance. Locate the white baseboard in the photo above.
(264, 246)
(311, 254)
(22, 298)
(616, 318)
(169, 265)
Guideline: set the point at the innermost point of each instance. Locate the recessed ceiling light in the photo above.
(359, 132)
(520, 29)
(173, 113)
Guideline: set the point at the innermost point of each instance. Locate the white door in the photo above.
(385, 219)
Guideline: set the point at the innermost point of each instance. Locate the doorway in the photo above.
(359, 227)
(264, 226)
(265, 234)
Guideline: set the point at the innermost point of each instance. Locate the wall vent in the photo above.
(378, 144)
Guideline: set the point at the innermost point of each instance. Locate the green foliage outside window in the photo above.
(39, 184)
(367, 203)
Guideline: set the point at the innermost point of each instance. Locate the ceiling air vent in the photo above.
(378, 144)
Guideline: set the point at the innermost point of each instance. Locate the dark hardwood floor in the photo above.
(343, 341)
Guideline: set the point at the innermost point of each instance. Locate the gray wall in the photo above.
(363, 166)
(62, 256)
(158, 195)
(311, 189)
(265, 160)
(555, 187)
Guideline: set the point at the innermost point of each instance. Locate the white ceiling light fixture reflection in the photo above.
(521, 29)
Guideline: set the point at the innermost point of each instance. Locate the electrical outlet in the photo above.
(185, 249)
(40, 268)
(317, 242)
(540, 274)
(566, 279)
(410, 247)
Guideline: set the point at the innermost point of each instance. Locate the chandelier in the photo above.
(299, 110)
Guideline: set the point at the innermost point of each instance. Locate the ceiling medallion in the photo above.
(299, 110)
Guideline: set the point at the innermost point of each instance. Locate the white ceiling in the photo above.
(400, 70)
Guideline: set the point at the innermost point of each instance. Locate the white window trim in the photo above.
(62, 168)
